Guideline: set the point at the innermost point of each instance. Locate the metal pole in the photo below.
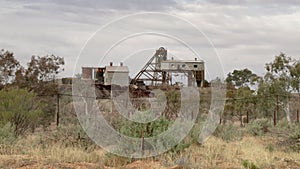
(57, 113)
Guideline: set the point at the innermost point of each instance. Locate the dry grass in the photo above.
(215, 153)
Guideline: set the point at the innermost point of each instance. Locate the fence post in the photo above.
(277, 105)
(247, 118)
(298, 116)
(143, 143)
(57, 112)
(274, 117)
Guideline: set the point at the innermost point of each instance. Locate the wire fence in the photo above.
(273, 106)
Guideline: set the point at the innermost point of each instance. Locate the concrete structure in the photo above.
(179, 65)
(90, 72)
(87, 72)
(116, 75)
(107, 75)
(193, 68)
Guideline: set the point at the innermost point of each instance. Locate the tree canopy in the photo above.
(38, 75)
(8, 67)
(272, 91)
(241, 77)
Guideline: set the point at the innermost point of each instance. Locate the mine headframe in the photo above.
(152, 71)
(158, 70)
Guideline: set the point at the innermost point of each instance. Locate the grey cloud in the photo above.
(226, 2)
(253, 7)
(155, 5)
(253, 2)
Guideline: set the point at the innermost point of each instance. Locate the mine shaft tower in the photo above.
(152, 72)
(158, 70)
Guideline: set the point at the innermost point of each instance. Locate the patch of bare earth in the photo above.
(27, 162)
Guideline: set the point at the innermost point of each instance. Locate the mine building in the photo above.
(157, 71)
(112, 74)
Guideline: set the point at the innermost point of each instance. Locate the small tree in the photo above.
(278, 83)
(20, 108)
(41, 73)
(266, 102)
(40, 77)
(8, 67)
(241, 96)
(243, 102)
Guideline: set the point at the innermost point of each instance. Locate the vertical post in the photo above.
(233, 109)
(164, 78)
(274, 117)
(298, 116)
(190, 79)
(143, 142)
(247, 118)
(57, 112)
(202, 77)
(277, 105)
(254, 112)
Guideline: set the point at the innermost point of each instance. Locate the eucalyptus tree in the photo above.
(241, 97)
(278, 84)
(242, 78)
(8, 67)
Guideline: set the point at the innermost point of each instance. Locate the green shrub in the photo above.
(21, 108)
(73, 135)
(135, 129)
(270, 147)
(284, 124)
(152, 129)
(249, 165)
(185, 143)
(289, 134)
(259, 126)
(294, 139)
(7, 135)
(228, 132)
(196, 131)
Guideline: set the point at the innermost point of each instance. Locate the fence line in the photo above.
(276, 98)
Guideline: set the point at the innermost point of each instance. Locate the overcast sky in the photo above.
(245, 33)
